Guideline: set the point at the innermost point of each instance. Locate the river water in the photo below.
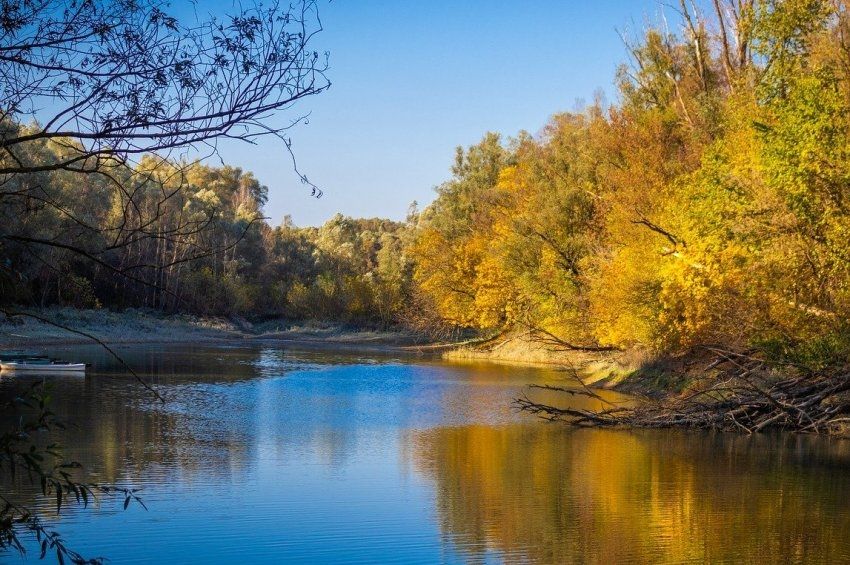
(268, 455)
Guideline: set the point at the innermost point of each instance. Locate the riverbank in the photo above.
(604, 369)
(726, 390)
(628, 372)
(635, 371)
(68, 326)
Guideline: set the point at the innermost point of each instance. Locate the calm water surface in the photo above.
(265, 455)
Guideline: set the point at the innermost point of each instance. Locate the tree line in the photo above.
(193, 238)
(708, 205)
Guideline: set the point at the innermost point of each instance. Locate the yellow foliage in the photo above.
(710, 206)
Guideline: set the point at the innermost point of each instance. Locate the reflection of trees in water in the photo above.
(122, 437)
(554, 495)
(212, 421)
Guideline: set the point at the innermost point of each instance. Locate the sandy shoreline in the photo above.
(151, 327)
(138, 327)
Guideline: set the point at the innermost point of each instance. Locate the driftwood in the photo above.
(740, 392)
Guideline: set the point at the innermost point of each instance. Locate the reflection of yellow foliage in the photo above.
(552, 495)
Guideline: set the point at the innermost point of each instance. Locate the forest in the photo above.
(707, 205)
(698, 221)
(192, 238)
(710, 206)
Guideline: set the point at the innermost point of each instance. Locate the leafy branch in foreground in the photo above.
(25, 458)
(107, 108)
(106, 105)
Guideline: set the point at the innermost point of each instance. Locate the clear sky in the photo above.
(414, 79)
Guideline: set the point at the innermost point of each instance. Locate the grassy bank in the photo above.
(603, 369)
(632, 371)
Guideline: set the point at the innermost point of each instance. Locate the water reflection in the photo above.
(550, 495)
(265, 455)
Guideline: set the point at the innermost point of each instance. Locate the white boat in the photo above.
(42, 367)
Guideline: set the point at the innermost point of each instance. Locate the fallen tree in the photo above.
(738, 391)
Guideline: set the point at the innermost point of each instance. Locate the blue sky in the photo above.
(414, 79)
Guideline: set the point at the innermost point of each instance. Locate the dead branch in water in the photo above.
(743, 393)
